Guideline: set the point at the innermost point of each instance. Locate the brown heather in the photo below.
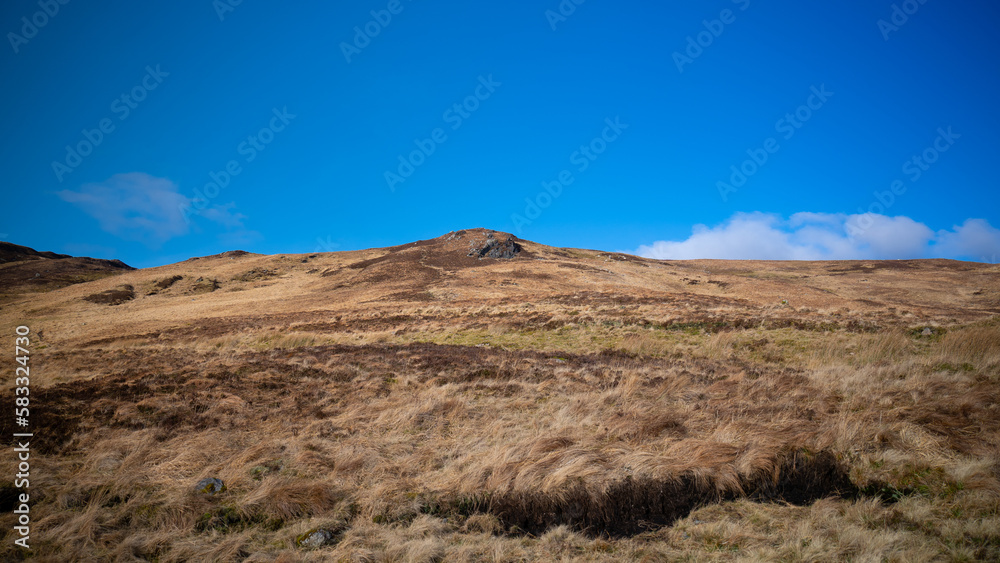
(422, 405)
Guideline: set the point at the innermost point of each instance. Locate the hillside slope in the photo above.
(26, 270)
(382, 290)
(427, 402)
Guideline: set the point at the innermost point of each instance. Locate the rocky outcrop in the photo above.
(494, 248)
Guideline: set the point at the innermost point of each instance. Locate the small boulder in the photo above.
(317, 537)
(210, 486)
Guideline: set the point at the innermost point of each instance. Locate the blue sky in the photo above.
(736, 129)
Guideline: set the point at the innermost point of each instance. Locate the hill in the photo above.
(480, 397)
(24, 269)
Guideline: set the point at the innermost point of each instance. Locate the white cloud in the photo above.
(828, 236)
(878, 236)
(140, 207)
(975, 238)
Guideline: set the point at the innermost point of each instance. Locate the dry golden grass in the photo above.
(392, 445)
(611, 413)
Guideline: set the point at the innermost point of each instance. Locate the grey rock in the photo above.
(316, 538)
(210, 485)
(493, 248)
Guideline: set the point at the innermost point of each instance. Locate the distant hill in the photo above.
(26, 270)
(10, 252)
